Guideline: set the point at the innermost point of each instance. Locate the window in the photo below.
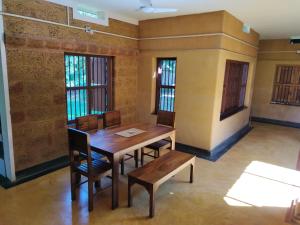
(286, 88)
(234, 89)
(88, 85)
(165, 84)
(89, 15)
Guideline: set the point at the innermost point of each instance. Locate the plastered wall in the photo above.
(273, 53)
(200, 72)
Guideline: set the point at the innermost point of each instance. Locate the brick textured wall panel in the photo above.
(35, 58)
(58, 13)
(37, 9)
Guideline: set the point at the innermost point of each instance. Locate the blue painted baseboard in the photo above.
(1, 151)
(275, 122)
(219, 150)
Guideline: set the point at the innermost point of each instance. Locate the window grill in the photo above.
(165, 84)
(234, 88)
(286, 87)
(88, 85)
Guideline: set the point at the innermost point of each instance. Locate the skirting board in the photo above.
(219, 150)
(1, 149)
(2, 167)
(35, 172)
(275, 122)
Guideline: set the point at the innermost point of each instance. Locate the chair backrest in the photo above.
(166, 118)
(112, 119)
(79, 141)
(86, 123)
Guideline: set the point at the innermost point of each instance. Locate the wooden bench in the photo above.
(153, 174)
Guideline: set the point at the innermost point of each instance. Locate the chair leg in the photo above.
(155, 154)
(90, 194)
(158, 153)
(77, 161)
(73, 185)
(98, 183)
(122, 166)
(136, 158)
(142, 156)
(192, 173)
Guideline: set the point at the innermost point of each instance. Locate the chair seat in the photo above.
(98, 167)
(162, 144)
(94, 155)
(97, 156)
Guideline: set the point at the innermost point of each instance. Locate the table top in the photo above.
(108, 141)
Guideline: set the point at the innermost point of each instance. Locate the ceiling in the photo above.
(270, 18)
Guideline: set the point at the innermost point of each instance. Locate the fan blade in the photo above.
(158, 10)
(146, 3)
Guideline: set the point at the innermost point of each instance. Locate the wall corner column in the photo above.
(9, 165)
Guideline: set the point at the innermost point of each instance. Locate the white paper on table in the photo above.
(130, 132)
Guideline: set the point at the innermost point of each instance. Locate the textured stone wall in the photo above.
(35, 57)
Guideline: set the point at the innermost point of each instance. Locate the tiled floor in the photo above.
(251, 184)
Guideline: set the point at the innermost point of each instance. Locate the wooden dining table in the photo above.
(114, 146)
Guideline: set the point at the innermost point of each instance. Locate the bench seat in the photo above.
(155, 173)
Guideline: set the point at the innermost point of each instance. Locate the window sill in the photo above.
(287, 104)
(231, 113)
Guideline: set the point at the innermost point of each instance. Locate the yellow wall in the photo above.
(200, 73)
(194, 95)
(273, 53)
(227, 127)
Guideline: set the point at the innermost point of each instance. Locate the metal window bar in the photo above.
(165, 84)
(86, 93)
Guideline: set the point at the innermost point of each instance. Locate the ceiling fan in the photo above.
(147, 7)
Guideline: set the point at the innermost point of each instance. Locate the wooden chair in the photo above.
(79, 141)
(89, 123)
(113, 119)
(164, 118)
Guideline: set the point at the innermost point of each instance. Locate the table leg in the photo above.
(192, 173)
(173, 141)
(115, 181)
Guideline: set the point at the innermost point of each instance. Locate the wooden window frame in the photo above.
(239, 99)
(89, 88)
(160, 86)
(285, 90)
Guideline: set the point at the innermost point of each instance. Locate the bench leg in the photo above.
(192, 173)
(129, 193)
(151, 202)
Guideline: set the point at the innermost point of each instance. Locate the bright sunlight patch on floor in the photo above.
(263, 184)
